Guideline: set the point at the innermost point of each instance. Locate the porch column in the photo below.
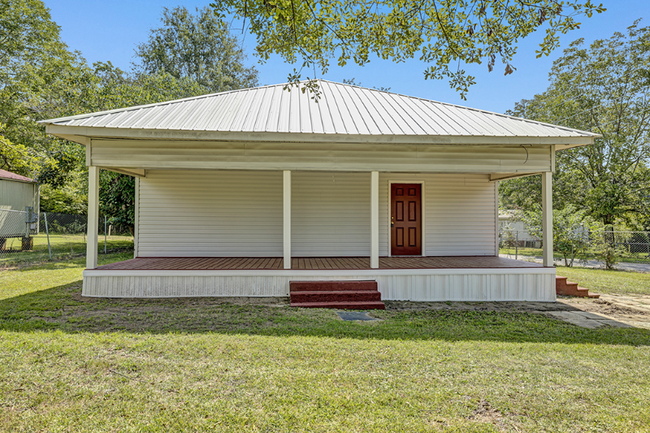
(374, 220)
(286, 217)
(93, 217)
(547, 218)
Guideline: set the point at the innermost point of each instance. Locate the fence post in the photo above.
(516, 244)
(105, 234)
(47, 231)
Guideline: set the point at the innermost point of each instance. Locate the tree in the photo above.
(445, 34)
(604, 88)
(197, 47)
(32, 60)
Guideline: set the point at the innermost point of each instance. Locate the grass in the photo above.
(64, 246)
(603, 281)
(69, 363)
(629, 257)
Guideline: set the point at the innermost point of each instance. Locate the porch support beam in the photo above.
(374, 220)
(286, 217)
(93, 217)
(547, 218)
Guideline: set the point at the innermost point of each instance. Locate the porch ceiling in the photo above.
(314, 263)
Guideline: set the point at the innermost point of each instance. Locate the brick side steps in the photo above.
(348, 295)
(567, 288)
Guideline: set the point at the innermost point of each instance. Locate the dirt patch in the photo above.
(487, 414)
(633, 310)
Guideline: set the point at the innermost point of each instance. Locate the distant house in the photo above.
(243, 192)
(512, 228)
(19, 207)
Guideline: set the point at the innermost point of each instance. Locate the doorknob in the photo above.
(392, 221)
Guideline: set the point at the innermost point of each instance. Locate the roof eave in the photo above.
(82, 135)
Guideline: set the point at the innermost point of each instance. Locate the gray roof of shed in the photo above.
(341, 109)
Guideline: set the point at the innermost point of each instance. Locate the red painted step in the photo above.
(311, 286)
(378, 305)
(352, 294)
(338, 295)
(567, 288)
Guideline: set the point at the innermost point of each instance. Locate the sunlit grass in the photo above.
(69, 363)
(604, 281)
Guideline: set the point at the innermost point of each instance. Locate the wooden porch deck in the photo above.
(314, 263)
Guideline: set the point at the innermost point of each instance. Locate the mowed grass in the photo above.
(63, 246)
(604, 281)
(69, 363)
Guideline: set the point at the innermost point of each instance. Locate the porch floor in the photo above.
(315, 263)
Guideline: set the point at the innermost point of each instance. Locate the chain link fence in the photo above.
(28, 237)
(583, 248)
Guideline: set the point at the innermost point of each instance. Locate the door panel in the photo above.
(406, 219)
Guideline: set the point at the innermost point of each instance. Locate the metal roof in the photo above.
(7, 175)
(340, 109)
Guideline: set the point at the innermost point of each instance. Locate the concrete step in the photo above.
(350, 305)
(335, 296)
(314, 286)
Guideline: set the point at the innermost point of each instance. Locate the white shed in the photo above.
(19, 206)
(240, 193)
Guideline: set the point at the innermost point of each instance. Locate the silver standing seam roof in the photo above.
(341, 109)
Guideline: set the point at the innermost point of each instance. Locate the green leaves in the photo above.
(198, 48)
(444, 34)
(603, 88)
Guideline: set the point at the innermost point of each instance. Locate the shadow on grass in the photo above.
(62, 308)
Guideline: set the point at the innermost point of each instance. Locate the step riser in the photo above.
(330, 286)
(341, 306)
(335, 297)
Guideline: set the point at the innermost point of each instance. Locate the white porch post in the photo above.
(547, 218)
(286, 217)
(374, 220)
(93, 217)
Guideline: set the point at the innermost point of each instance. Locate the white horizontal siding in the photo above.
(442, 158)
(239, 213)
(460, 213)
(210, 214)
(432, 285)
(330, 214)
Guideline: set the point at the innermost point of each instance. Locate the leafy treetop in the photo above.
(445, 34)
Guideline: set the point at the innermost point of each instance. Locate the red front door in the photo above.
(406, 219)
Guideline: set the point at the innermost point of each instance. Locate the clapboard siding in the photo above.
(204, 213)
(210, 214)
(320, 156)
(330, 214)
(460, 213)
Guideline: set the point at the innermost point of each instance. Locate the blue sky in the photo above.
(110, 30)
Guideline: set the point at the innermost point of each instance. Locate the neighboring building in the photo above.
(240, 193)
(19, 207)
(513, 229)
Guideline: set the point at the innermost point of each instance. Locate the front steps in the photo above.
(567, 288)
(346, 295)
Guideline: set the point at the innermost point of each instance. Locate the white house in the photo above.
(19, 207)
(239, 193)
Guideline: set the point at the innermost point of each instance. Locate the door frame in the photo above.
(422, 213)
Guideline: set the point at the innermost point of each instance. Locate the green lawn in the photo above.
(638, 257)
(602, 281)
(74, 364)
(64, 246)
